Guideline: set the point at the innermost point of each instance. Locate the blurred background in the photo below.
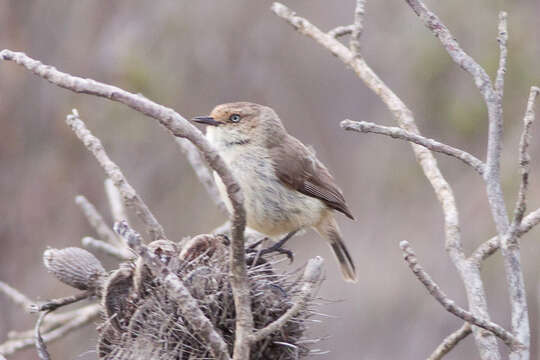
(192, 55)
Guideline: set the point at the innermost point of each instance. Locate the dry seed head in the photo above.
(142, 321)
(75, 267)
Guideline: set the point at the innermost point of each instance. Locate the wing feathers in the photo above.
(298, 168)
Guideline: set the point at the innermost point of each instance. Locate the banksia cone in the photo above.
(142, 321)
(75, 267)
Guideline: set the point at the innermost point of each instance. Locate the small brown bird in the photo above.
(286, 188)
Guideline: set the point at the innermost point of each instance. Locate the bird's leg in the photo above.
(278, 247)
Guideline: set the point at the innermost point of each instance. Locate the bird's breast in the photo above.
(272, 208)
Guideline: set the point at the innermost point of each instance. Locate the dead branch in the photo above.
(311, 279)
(493, 100)
(398, 133)
(130, 196)
(450, 342)
(85, 316)
(358, 27)
(116, 204)
(96, 220)
(106, 248)
(179, 127)
(16, 296)
(470, 276)
(448, 304)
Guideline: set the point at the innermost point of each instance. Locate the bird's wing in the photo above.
(299, 169)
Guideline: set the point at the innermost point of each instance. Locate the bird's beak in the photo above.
(207, 120)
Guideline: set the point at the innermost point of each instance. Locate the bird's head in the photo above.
(241, 123)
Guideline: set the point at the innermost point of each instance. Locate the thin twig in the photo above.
(503, 53)
(340, 31)
(54, 304)
(486, 342)
(449, 305)
(179, 127)
(358, 27)
(311, 279)
(41, 348)
(131, 198)
(96, 220)
(118, 209)
(85, 316)
(525, 158)
(493, 100)
(490, 247)
(450, 342)
(398, 133)
(16, 296)
(174, 285)
(201, 170)
(106, 248)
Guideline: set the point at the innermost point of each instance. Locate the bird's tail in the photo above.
(329, 230)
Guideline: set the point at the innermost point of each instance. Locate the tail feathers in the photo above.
(329, 230)
(346, 263)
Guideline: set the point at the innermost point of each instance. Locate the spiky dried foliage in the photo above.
(140, 319)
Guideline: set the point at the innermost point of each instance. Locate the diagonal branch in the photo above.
(113, 171)
(201, 170)
(116, 204)
(490, 247)
(16, 296)
(486, 342)
(525, 158)
(449, 305)
(493, 100)
(450, 342)
(311, 279)
(106, 248)
(85, 316)
(340, 31)
(398, 133)
(179, 127)
(96, 221)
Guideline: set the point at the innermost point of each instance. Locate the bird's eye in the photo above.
(234, 118)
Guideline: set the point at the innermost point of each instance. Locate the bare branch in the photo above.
(340, 31)
(202, 172)
(189, 306)
(96, 221)
(449, 305)
(398, 133)
(525, 158)
(118, 210)
(106, 248)
(486, 342)
(179, 127)
(491, 246)
(493, 99)
(16, 296)
(311, 279)
(85, 316)
(503, 53)
(51, 305)
(358, 27)
(450, 342)
(132, 199)
(43, 354)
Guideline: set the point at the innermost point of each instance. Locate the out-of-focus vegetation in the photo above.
(192, 55)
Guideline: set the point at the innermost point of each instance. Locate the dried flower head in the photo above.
(142, 321)
(75, 267)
